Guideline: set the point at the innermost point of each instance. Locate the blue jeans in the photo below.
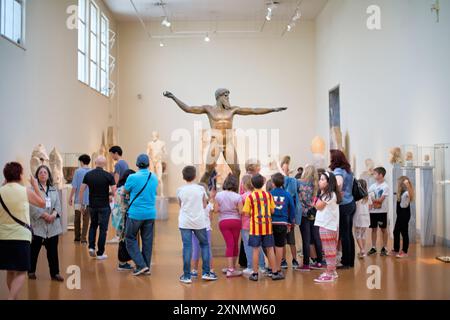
(99, 219)
(186, 238)
(249, 252)
(142, 258)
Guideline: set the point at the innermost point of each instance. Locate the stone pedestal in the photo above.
(162, 208)
(425, 203)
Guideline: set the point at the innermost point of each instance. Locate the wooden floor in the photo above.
(420, 276)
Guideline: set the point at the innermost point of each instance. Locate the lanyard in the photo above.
(42, 188)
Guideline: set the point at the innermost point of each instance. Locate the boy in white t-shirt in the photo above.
(195, 244)
(379, 194)
(192, 200)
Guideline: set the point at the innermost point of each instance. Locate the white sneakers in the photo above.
(114, 240)
(102, 257)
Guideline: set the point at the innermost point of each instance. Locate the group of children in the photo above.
(264, 218)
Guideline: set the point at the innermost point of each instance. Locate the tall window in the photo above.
(11, 20)
(104, 56)
(82, 42)
(93, 46)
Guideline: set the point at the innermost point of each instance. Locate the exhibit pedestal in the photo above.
(65, 208)
(162, 208)
(410, 172)
(425, 204)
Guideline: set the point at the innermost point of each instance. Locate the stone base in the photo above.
(162, 208)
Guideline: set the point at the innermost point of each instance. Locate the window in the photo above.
(82, 42)
(93, 47)
(11, 20)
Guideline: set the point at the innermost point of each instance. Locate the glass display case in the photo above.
(442, 187)
(410, 153)
(426, 156)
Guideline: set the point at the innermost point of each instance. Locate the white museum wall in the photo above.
(393, 82)
(41, 100)
(262, 70)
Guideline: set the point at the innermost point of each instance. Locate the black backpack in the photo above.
(358, 191)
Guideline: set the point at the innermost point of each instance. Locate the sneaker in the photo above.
(304, 268)
(317, 266)
(278, 276)
(372, 251)
(324, 278)
(393, 253)
(284, 264)
(194, 273)
(148, 272)
(224, 270)
(92, 253)
(57, 278)
(339, 265)
(84, 242)
(361, 255)
(383, 252)
(402, 255)
(125, 267)
(102, 257)
(247, 272)
(213, 274)
(335, 275)
(262, 270)
(139, 271)
(114, 240)
(185, 279)
(209, 276)
(268, 273)
(295, 264)
(253, 277)
(233, 273)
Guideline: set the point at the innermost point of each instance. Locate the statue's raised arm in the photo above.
(256, 111)
(184, 106)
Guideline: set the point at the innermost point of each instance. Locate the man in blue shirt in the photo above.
(81, 205)
(121, 165)
(142, 188)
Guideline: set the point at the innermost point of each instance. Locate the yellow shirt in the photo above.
(259, 204)
(15, 198)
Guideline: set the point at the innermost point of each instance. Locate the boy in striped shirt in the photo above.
(259, 205)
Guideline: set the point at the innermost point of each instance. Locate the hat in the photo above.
(142, 161)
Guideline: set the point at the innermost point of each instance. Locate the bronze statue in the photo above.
(221, 120)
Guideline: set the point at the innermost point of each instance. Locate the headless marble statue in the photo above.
(56, 167)
(156, 150)
(39, 157)
(221, 120)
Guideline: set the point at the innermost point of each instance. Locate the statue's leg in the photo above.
(159, 173)
(211, 161)
(231, 158)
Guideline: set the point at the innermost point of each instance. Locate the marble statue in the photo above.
(426, 160)
(56, 167)
(396, 156)
(318, 151)
(270, 167)
(156, 150)
(368, 173)
(100, 152)
(221, 120)
(409, 159)
(39, 157)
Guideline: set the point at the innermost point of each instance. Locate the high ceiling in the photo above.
(207, 10)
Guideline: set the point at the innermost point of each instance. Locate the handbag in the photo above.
(122, 252)
(23, 224)
(311, 214)
(358, 191)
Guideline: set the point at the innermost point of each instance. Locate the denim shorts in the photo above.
(266, 241)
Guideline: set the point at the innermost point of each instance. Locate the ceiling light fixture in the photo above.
(207, 39)
(296, 16)
(270, 8)
(161, 44)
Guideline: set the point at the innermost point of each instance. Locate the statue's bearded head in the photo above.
(222, 98)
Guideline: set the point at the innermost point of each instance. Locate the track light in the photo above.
(161, 44)
(207, 39)
(270, 10)
(166, 22)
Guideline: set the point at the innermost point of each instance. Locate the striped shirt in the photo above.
(260, 205)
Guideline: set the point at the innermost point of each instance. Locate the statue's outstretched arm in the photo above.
(184, 106)
(256, 111)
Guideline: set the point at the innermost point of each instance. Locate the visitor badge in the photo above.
(48, 202)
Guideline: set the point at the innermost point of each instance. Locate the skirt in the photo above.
(15, 255)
